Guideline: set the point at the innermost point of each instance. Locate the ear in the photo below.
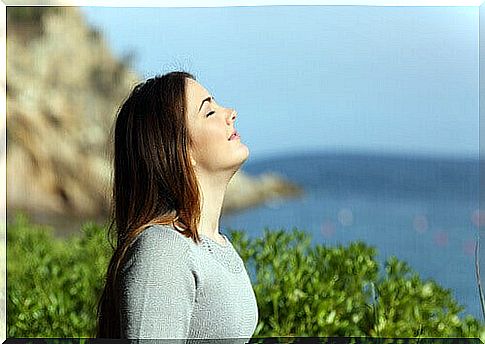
(193, 161)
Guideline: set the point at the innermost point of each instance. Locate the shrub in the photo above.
(339, 291)
(29, 17)
(53, 286)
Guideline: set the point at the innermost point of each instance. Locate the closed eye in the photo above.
(210, 113)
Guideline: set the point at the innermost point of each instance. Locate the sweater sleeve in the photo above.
(157, 287)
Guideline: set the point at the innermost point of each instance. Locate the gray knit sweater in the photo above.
(173, 288)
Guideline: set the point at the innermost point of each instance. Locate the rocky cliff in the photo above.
(64, 87)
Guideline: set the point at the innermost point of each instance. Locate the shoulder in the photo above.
(160, 244)
(166, 233)
(162, 238)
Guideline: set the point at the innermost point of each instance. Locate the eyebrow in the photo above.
(208, 99)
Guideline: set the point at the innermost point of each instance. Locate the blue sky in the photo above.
(320, 78)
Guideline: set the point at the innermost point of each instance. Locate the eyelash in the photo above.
(210, 113)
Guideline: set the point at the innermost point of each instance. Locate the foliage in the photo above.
(31, 16)
(338, 291)
(53, 286)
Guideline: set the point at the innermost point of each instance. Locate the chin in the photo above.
(241, 160)
(246, 155)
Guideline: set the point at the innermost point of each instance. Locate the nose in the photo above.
(232, 115)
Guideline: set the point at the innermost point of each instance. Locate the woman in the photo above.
(172, 274)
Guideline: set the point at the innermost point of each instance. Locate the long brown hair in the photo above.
(154, 182)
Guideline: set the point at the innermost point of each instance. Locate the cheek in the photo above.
(209, 137)
(205, 139)
(210, 134)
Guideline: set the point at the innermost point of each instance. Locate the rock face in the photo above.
(64, 88)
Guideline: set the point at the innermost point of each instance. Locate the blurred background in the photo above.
(362, 122)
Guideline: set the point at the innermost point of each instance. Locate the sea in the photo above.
(422, 210)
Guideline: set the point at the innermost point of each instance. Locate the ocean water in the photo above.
(421, 210)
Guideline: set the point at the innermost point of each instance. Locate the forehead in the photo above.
(195, 94)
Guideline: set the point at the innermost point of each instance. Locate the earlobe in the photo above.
(190, 153)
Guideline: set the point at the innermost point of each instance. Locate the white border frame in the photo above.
(147, 3)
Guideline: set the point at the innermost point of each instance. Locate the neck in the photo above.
(213, 189)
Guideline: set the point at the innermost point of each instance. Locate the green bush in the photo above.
(31, 16)
(338, 291)
(53, 286)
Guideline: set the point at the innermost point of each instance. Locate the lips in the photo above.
(234, 135)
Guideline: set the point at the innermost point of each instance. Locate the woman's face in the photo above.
(210, 126)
